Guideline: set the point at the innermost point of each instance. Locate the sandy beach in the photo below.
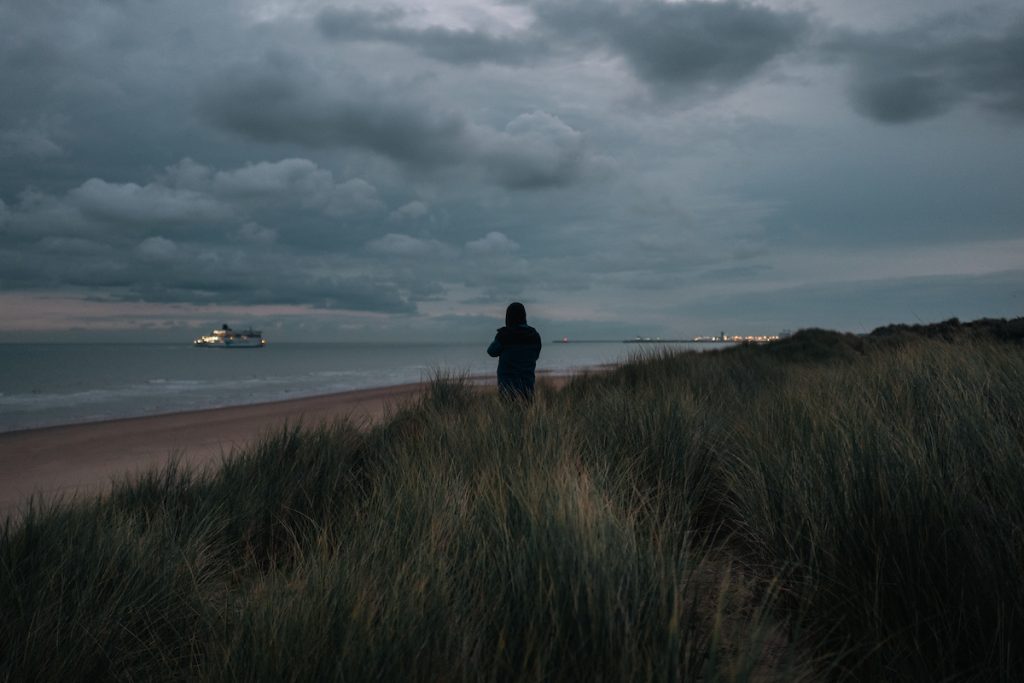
(82, 459)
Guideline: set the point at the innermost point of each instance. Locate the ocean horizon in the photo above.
(50, 384)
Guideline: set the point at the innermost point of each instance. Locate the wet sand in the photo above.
(81, 459)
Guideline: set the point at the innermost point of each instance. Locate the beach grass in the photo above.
(828, 507)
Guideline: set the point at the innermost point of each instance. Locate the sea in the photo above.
(43, 385)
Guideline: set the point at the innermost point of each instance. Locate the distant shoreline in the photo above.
(476, 378)
(80, 459)
(66, 384)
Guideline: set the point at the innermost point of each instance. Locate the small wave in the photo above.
(335, 373)
(161, 382)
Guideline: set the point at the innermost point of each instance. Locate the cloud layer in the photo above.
(639, 163)
(282, 102)
(201, 236)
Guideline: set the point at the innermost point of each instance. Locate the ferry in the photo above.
(226, 338)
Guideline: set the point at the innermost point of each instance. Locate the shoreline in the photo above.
(299, 396)
(82, 459)
(79, 460)
(96, 420)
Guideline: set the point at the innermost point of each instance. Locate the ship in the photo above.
(226, 338)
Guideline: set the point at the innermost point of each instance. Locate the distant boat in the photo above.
(226, 338)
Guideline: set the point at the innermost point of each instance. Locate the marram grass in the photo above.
(827, 508)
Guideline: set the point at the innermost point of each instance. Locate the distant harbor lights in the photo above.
(757, 338)
(722, 338)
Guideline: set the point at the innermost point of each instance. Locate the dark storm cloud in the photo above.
(534, 151)
(31, 61)
(164, 271)
(280, 101)
(455, 46)
(923, 72)
(675, 44)
(896, 77)
(285, 183)
(196, 235)
(192, 201)
(679, 44)
(150, 204)
(337, 293)
(900, 98)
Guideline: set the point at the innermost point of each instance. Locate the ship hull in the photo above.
(233, 344)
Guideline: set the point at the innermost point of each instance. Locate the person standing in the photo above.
(517, 347)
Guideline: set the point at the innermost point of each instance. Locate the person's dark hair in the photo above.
(515, 314)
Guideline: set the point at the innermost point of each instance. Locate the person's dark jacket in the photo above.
(517, 348)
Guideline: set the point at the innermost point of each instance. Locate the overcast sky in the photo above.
(402, 170)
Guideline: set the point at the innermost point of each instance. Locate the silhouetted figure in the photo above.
(517, 347)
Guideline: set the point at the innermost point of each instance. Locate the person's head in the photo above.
(515, 314)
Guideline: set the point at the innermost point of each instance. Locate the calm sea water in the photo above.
(50, 384)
